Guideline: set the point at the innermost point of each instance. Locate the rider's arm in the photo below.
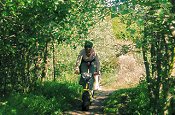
(78, 60)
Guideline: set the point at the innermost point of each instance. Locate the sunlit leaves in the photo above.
(155, 19)
(82, 15)
(140, 21)
(28, 26)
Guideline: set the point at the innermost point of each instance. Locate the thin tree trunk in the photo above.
(29, 63)
(23, 69)
(36, 68)
(149, 80)
(159, 75)
(53, 51)
(5, 83)
(44, 71)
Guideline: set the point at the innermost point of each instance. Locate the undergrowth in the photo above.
(131, 101)
(49, 98)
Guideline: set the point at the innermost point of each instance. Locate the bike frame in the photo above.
(87, 81)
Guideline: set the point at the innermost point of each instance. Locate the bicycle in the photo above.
(87, 93)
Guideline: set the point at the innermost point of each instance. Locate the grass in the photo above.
(128, 101)
(48, 98)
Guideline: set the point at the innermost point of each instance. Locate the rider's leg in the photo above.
(96, 82)
(84, 68)
(92, 70)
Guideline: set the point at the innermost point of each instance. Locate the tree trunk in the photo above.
(44, 71)
(53, 51)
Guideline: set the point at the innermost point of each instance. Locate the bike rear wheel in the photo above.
(86, 100)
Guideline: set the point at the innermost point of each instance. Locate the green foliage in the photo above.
(27, 30)
(48, 98)
(64, 92)
(125, 29)
(120, 29)
(128, 101)
(154, 19)
(109, 65)
(65, 60)
(30, 104)
(158, 52)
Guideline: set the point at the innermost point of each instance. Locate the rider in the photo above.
(87, 56)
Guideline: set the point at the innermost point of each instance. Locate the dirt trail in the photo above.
(96, 107)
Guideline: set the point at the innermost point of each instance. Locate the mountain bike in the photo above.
(87, 93)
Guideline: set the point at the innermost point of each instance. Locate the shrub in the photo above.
(49, 98)
(128, 101)
(30, 104)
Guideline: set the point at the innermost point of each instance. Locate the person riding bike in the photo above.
(87, 57)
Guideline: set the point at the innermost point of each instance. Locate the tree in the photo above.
(156, 21)
(28, 27)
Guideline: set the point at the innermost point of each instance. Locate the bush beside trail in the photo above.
(48, 98)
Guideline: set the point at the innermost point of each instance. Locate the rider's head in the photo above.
(88, 46)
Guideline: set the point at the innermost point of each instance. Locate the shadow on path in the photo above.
(96, 107)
